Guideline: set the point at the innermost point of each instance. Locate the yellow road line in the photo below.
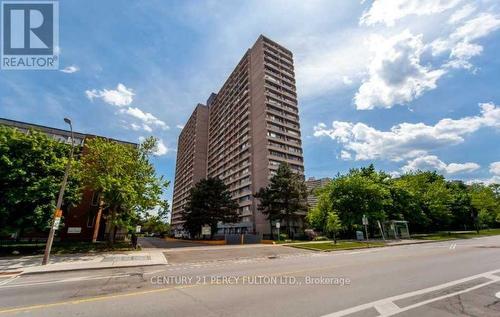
(106, 297)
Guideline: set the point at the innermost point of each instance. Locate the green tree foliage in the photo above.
(486, 204)
(425, 199)
(285, 198)
(126, 179)
(31, 171)
(361, 192)
(209, 202)
(333, 225)
(155, 224)
(430, 193)
(317, 216)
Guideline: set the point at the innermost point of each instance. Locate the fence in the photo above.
(246, 238)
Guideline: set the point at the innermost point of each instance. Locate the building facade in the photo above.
(191, 163)
(313, 184)
(81, 222)
(253, 127)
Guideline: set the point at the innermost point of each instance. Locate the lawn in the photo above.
(341, 245)
(443, 236)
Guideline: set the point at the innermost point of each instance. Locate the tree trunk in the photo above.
(288, 224)
(334, 238)
(97, 223)
(111, 234)
(271, 225)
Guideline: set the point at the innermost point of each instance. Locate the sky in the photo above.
(405, 85)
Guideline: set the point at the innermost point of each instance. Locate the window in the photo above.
(95, 199)
(91, 219)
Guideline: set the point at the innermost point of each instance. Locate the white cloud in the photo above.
(345, 155)
(495, 179)
(476, 28)
(395, 73)
(462, 13)
(433, 163)
(146, 117)
(407, 140)
(121, 96)
(390, 11)
(495, 168)
(460, 42)
(70, 69)
(346, 80)
(161, 148)
(135, 127)
(180, 126)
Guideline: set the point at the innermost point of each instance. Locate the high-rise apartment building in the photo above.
(312, 185)
(253, 126)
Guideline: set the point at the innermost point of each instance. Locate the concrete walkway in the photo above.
(32, 264)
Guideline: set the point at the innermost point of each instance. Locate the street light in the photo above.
(57, 215)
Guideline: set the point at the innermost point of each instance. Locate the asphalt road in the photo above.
(460, 278)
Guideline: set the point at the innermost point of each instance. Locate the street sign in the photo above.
(278, 225)
(57, 222)
(74, 229)
(365, 220)
(206, 230)
(138, 229)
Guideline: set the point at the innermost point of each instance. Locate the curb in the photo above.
(82, 269)
(380, 246)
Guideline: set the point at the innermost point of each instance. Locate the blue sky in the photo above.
(402, 84)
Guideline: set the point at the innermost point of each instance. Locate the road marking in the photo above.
(66, 280)
(7, 281)
(497, 295)
(106, 297)
(453, 246)
(386, 306)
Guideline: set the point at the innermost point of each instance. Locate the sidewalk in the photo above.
(32, 264)
(387, 242)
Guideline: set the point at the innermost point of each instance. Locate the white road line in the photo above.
(67, 280)
(7, 281)
(388, 308)
(154, 272)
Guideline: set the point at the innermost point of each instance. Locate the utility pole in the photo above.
(58, 213)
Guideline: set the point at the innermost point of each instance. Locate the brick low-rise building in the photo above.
(80, 221)
(247, 130)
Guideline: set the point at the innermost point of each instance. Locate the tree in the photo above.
(486, 204)
(333, 225)
(31, 171)
(460, 206)
(360, 192)
(285, 198)
(432, 198)
(317, 216)
(125, 178)
(209, 203)
(155, 224)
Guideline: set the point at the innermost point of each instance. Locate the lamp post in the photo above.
(57, 213)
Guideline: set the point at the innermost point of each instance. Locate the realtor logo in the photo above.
(30, 35)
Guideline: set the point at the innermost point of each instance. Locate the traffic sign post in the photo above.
(278, 225)
(365, 223)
